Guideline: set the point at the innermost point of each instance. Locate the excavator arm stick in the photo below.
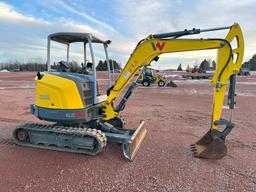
(212, 144)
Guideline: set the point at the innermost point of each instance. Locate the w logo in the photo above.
(158, 46)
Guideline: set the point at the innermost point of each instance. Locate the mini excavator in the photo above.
(84, 121)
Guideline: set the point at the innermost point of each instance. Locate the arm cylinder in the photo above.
(177, 33)
(187, 32)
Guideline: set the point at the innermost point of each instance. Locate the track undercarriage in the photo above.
(79, 139)
(61, 138)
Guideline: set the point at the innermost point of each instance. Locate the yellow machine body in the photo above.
(55, 92)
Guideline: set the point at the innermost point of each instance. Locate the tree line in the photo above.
(207, 65)
(102, 65)
(39, 66)
(18, 66)
(250, 64)
(204, 66)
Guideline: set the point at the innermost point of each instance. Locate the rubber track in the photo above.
(57, 130)
(4, 141)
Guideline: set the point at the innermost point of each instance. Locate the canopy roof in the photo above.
(67, 37)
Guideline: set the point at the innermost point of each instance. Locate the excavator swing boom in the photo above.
(229, 61)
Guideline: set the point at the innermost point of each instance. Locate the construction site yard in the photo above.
(174, 117)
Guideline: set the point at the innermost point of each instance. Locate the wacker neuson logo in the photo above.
(158, 46)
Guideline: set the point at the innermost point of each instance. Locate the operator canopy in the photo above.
(67, 37)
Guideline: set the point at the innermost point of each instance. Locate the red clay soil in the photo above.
(175, 118)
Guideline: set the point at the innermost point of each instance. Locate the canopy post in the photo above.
(94, 68)
(85, 54)
(68, 53)
(108, 65)
(48, 63)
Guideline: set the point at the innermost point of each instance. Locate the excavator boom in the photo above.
(229, 61)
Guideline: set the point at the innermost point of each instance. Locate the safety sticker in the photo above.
(127, 75)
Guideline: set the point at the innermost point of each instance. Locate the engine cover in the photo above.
(62, 90)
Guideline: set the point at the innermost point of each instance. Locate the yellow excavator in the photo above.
(83, 120)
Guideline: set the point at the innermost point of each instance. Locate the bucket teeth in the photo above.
(209, 147)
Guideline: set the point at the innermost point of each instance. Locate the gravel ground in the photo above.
(175, 118)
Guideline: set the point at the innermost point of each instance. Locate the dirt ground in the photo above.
(175, 118)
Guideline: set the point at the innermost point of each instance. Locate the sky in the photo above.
(25, 25)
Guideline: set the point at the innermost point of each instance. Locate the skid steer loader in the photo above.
(84, 121)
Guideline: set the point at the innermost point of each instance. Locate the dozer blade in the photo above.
(209, 147)
(131, 147)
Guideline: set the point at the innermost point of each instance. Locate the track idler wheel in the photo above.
(22, 135)
(210, 146)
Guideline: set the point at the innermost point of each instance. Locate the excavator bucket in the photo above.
(209, 147)
(131, 147)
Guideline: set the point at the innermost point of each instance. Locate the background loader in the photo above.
(149, 75)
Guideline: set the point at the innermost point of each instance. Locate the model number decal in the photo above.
(70, 115)
(78, 114)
